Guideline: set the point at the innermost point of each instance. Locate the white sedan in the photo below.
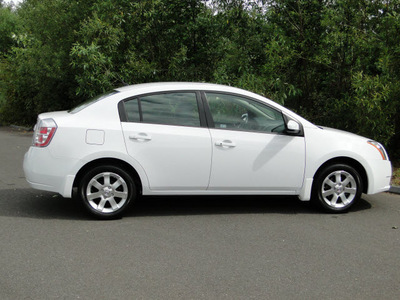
(197, 139)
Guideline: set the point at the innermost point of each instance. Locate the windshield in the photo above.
(90, 102)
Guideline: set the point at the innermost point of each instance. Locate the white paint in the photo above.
(172, 160)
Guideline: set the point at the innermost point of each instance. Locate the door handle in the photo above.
(140, 137)
(225, 144)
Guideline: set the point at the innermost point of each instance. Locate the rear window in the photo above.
(90, 102)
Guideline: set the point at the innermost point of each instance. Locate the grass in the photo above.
(396, 174)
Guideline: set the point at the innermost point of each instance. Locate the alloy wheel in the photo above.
(107, 192)
(339, 189)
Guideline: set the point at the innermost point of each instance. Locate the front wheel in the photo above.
(106, 191)
(337, 188)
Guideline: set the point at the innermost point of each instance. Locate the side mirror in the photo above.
(293, 127)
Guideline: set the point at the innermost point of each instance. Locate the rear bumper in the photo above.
(44, 172)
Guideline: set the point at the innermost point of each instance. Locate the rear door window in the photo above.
(178, 108)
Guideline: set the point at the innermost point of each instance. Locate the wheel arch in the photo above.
(348, 161)
(109, 161)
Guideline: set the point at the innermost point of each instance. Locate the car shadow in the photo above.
(208, 205)
(29, 203)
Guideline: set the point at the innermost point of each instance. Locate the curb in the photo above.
(394, 190)
(21, 128)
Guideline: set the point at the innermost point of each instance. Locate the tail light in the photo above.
(44, 132)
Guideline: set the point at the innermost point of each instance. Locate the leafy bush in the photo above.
(335, 62)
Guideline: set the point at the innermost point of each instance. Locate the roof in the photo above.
(156, 86)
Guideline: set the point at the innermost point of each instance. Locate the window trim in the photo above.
(206, 120)
(121, 109)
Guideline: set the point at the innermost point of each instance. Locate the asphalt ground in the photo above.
(191, 247)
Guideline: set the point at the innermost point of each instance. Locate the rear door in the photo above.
(164, 133)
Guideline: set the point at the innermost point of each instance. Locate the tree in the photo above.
(8, 28)
(336, 62)
(152, 40)
(37, 73)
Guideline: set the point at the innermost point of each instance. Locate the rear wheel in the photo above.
(106, 191)
(337, 188)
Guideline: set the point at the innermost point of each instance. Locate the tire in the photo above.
(106, 191)
(337, 188)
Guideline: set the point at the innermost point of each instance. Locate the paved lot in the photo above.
(191, 248)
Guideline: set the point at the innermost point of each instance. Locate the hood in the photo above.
(342, 132)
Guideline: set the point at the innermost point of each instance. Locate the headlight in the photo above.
(380, 148)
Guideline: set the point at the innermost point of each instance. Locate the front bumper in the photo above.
(379, 176)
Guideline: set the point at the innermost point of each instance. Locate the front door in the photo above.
(251, 151)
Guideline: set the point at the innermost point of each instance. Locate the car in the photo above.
(183, 138)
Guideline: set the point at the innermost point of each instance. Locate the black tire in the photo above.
(106, 191)
(336, 188)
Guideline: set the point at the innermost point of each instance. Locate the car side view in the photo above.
(181, 138)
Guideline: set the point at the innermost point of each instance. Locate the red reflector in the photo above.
(43, 130)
